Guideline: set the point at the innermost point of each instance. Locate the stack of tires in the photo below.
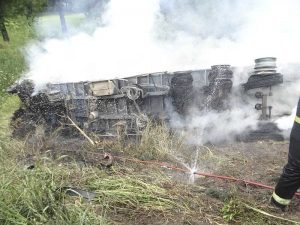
(220, 85)
(182, 92)
(264, 74)
(220, 72)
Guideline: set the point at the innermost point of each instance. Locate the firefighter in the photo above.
(289, 181)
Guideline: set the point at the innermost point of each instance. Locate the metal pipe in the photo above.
(264, 106)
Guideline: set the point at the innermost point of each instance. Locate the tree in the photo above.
(10, 9)
(2, 23)
(60, 8)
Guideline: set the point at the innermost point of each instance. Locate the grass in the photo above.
(131, 193)
(29, 197)
(54, 21)
(126, 193)
(12, 61)
(49, 25)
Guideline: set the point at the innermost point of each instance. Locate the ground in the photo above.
(185, 199)
(36, 170)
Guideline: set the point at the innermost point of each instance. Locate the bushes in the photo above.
(12, 61)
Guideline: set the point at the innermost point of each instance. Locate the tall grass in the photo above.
(156, 142)
(29, 197)
(132, 193)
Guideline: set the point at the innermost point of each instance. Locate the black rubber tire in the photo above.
(182, 92)
(258, 81)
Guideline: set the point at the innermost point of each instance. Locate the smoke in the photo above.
(201, 127)
(285, 97)
(148, 36)
(124, 46)
(286, 122)
(142, 36)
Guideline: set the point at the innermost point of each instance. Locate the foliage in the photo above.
(231, 210)
(33, 8)
(11, 56)
(13, 9)
(28, 8)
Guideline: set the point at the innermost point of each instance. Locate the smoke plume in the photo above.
(143, 36)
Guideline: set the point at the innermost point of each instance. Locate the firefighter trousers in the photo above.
(289, 181)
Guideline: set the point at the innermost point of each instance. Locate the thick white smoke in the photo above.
(142, 36)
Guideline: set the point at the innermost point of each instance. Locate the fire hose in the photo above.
(175, 168)
(210, 175)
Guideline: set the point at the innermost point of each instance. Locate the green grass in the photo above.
(54, 21)
(49, 25)
(12, 61)
(29, 197)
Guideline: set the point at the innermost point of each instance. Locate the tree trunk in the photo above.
(62, 16)
(29, 9)
(2, 24)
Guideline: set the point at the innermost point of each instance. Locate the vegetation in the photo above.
(9, 10)
(30, 9)
(11, 56)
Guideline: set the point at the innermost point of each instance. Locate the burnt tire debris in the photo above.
(76, 192)
(258, 81)
(264, 131)
(182, 92)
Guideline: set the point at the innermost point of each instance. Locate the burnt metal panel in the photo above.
(200, 78)
(64, 89)
(143, 80)
(157, 104)
(122, 106)
(156, 79)
(111, 107)
(79, 89)
(102, 106)
(71, 90)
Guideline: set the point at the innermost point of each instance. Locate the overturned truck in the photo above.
(108, 107)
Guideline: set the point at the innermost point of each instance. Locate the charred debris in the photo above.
(112, 107)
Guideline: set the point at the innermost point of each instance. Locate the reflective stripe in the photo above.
(281, 201)
(297, 119)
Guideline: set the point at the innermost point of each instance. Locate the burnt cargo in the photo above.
(108, 107)
(105, 106)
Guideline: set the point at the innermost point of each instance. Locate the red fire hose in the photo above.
(172, 167)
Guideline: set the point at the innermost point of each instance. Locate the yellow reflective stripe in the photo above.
(297, 119)
(281, 201)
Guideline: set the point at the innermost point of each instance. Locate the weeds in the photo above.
(132, 193)
(231, 210)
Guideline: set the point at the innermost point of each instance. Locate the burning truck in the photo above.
(108, 107)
